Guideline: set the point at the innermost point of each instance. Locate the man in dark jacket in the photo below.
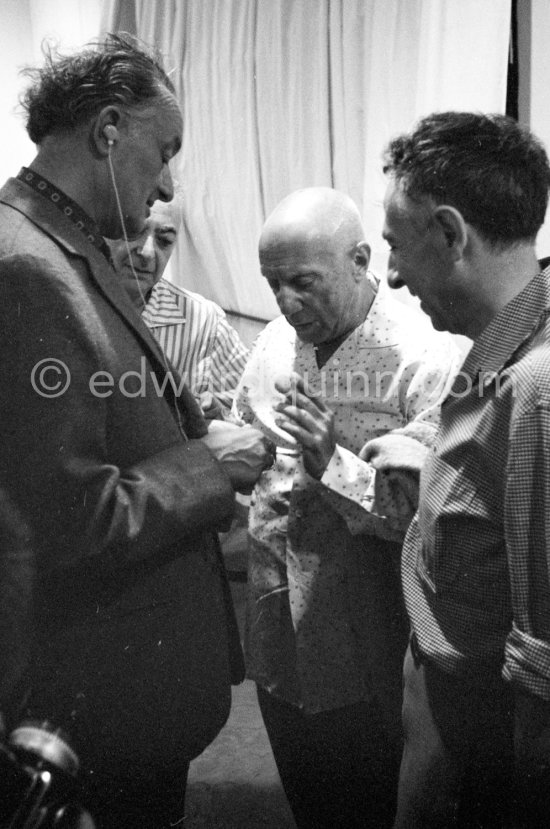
(104, 452)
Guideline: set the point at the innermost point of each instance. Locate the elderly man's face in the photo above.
(315, 285)
(141, 263)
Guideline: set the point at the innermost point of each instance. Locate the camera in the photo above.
(39, 786)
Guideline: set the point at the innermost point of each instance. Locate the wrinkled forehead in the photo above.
(295, 250)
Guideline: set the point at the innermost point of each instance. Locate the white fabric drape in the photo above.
(282, 94)
(25, 26)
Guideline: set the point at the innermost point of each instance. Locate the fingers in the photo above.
(297, 405)
(296, 394)
(305, 416)
(398, 452)
(307, 424)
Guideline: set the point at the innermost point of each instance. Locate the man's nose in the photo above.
(288, 300)
(166, 184)
(146, 250)
(393, 278)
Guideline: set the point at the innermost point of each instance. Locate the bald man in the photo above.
(343, 365)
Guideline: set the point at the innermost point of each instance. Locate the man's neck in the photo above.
(324, 351)
(55, 161)
(497, 279)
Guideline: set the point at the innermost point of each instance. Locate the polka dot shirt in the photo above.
(309, 539)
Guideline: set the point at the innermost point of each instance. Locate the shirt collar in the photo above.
(514, 324)
(165, 305)
(68, 207)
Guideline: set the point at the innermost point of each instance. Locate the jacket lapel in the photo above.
(52, 222)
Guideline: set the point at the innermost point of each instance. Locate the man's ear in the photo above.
(361, 258)
(105, 129)
(454, 231)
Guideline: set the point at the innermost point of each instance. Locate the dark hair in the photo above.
(494, 171)
(68, 90)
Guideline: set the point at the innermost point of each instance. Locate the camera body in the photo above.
(39, 786)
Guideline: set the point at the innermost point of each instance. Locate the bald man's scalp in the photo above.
(314, 214)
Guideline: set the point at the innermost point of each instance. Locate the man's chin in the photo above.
(305, 331)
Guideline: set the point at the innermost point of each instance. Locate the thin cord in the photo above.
(124, 234)
(167, 367)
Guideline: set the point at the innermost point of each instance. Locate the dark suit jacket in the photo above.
(130, 605)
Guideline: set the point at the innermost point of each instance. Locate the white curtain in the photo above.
(282, 94)
(24, 27)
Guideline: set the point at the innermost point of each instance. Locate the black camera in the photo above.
(39, 786)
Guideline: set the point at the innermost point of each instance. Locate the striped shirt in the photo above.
(197, 340)
(477, 556)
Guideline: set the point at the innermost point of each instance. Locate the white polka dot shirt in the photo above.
(309, 582)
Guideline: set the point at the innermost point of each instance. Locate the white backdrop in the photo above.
(24, 25)
(282, 94)
(276, 94)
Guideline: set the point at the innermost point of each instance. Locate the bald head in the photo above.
(313, 254)
(319, 215)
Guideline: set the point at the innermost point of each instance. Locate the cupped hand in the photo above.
(305, 416)
(244, 452)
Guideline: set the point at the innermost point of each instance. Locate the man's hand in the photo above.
(398, 460)
(242, 451)
(306, 418)
(210, 407)
(390, 453)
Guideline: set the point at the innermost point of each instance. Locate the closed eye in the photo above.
(166, 236)
(304, 281)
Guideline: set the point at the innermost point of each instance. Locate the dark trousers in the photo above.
(338, 768)
(457, 767)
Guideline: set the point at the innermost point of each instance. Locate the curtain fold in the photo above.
(283, 94)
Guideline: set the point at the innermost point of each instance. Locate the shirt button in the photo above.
(298, 513)
(336, 362)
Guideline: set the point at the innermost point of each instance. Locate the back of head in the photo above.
(68, 90)
(491, 169)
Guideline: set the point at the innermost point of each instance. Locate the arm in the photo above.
(527, 532)
(228, 360)
(380, 502)
(103, 473)
(425, 382)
